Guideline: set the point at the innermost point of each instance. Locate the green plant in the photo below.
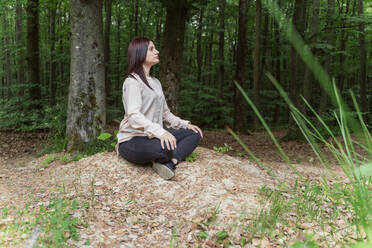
(223, 149)
(192, 157)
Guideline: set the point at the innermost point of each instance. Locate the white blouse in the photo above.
(145, 110)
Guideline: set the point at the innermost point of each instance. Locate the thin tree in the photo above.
(314, 27)
(328, 60)
(257, 61)
(53, 63)
(108, 10)
(33, 55)
(221, 47)
(239, 111)
(199, 56)
(86, 100)
(19, 44)
(363, 64)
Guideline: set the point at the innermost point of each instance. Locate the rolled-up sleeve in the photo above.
(172, 121)
(132, 101)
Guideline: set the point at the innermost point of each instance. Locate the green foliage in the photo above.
(223, 149)
(57, 222)
(192, 157)
(203, 235)
(204, 105)
(54, 218)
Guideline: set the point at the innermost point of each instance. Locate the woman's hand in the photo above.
(195, 128)
(169, 140)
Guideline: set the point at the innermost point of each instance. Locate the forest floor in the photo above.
(212, 201)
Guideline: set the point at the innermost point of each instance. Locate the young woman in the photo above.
(142, 137)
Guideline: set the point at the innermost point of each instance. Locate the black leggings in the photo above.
(142, 150)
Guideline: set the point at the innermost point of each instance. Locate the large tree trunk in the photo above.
(199, 56)
(221, 48)
(363, 64)
(86, 100)
(328, 61)
(108, 8)
(53, 62)
(33, 56)
(19, 42)
(239, 106)
(257, 61)
(172, 50)
(314, 27)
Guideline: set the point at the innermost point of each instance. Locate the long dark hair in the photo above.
(137, 51)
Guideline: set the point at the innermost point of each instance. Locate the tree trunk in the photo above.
(314, 27)
(239, 113)
(257, 62)
(296, 67)
(86, 100)
(7, 57)
(33, 56)
(108, 8)
(221, 48)
(343, 37)
(118, 34)
(172, 51)
(199, 56)
(363, 64)
(136, 7)
(53, 65)
(328, 61)
(277, 66)
(19, 43)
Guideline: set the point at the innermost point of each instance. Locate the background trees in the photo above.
(204, 46)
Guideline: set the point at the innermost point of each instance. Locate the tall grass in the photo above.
(352, 151)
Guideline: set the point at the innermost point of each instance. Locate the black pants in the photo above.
(143, 150)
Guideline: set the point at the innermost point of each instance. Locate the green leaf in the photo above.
(365, 170)
(104, 136)
(203, 235)
(221, 235)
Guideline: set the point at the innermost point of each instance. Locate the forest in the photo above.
(236, 68)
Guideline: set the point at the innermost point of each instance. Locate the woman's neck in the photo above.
(146, 70)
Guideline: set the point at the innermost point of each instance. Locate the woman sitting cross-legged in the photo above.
(142, 137)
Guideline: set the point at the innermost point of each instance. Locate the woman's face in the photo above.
(152, 56)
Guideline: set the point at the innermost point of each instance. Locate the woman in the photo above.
(142, 137)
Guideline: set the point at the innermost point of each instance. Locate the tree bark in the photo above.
(328, 61)
(239, 113)
(86, 101)
(221, 48)
(314, 28)
(108, 8)
(118, 38)
(363, 64)
(257, 61)
(136, 7)
(343, 37)
(19, 44)
(199, 55)
(296, 67)
(53, 62)
(172, 51)
(7, 57)
(33, 55)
